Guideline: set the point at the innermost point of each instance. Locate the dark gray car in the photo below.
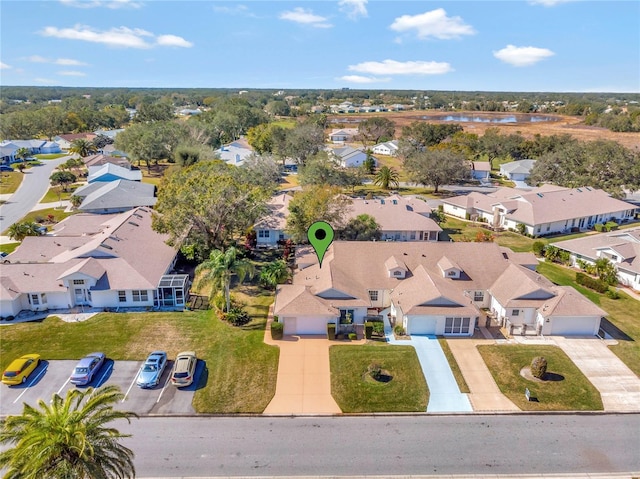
(86, 369)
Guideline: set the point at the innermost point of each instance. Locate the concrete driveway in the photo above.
(484, 392)
(619, 387)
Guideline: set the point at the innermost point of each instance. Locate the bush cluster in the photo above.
(398, 329)
(277, 330)
(539, 367)
(592, 283)
(331, 331)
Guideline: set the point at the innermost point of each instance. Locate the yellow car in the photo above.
(20, 368)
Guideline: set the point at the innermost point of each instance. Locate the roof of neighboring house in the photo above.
(346, 152)
(95, 172)
(568, 302)
(25, 143)
(75, 136)
(344, 132)
(109, 133)
(235, 153)
(518, 166)
(292, 299)
(482, 166)
(625, 243)
(392, 145)
(116, 194)
(278, 213)
(132, 255)
(544, 205)
(521, 287)
(101, 159)
(396, 213)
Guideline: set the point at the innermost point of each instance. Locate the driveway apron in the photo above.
(619, 387)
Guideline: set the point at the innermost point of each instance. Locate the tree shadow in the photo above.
(552, 377)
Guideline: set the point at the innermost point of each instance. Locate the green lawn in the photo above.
(10, 181)
(8, 247)
(52, 194)
(41, 215)
(285, 123)
(622, 320)
(453, 364)
(241, 370)
(356, 392)
(573, 393)
(50, 156)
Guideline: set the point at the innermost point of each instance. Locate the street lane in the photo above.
(384, 445)
(33, 187)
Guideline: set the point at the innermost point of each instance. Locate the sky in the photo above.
(508, 45)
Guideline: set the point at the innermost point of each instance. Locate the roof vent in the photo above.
(540, 195)
(132, 223)
(578, 190)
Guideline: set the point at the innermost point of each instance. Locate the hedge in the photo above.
(592, 283)
(277, 330)
(331, 330)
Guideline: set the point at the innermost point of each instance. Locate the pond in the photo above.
(492, 118)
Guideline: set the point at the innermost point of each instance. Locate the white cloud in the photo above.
(116, 37)
(522, 56)
(173, 41)
(549, 3)
(69, 73)
(112, 4)
(235, 10)
(353, 8)
(44, 80)
(435, 24)
(305, 17)
(393, 67)
(58, 61)
(4, 66)
(363, 79)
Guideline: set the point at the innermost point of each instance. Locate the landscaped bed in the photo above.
(565, 387)
(241, 369)
(401, 387)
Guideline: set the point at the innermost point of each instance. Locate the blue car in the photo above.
(152, 369)
(87, 368)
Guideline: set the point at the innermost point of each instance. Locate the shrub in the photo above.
(538, 248)
(521, 228)
(592, 283)
(374, 370)
(331, 331)
(612, 294)
(599, 227)
(368, 329)
(610, 226)
(378, 328)
(398, 329)
(539, 367)
(237, 316)
(353, 336)
(277, 330)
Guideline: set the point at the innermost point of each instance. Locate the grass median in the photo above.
(403, 388)
(567, 389)
(241, 368)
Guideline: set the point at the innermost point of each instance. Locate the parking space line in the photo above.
(32, 383)
(65, 383)
(105, 373)
(130, 386)
(163, 388)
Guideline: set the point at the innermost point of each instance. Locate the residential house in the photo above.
(235, 153)
(481, 170)
(389, 148)
(8, 148)
(111, 172)
(100, 159)
(102, 261)
(518, 170)
(115, 196)
(621, 247)
(110, 150)
(109, 133)
(543, 211)
(343, 135)
(400, 218)
(349, 157)
(65, 141)
(270, 229)
(434, 288)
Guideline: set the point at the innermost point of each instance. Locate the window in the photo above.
(141, 295)
(515, 312)
(122, 296)
(478, 296)
(452, 272)
(263, 233)
(412, 235)
(43, 297)
(35, 299)
(397, 273)
(373, 295)
(457, 325)
(78, 281)
(346, 316)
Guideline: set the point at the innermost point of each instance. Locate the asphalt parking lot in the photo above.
(52, 377)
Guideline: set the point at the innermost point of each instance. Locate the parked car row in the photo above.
(148, 377)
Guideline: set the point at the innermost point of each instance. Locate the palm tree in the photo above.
(19, 231)
(68, 438)
(386, 177)
(82, 147)
(274, 273)
(218, 270)
(22, 154)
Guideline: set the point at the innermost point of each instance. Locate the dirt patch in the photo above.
(563, 125)
(548, 377)
(384, 377)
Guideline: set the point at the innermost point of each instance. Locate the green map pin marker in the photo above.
(320, 236)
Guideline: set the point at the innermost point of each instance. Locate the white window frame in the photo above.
(122, 296)
(373, 295)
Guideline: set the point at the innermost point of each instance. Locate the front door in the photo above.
(80, 296)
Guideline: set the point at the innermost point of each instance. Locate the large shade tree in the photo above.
(82, 147)
(435, 167)
(218, 271)
(68, 438)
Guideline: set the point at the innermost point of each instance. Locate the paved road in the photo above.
(34, 186)
(384, 445)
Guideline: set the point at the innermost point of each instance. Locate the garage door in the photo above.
(422, 326)
(574, 326)
(306, 325)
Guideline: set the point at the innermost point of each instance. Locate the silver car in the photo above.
(152, 369)
(86, 369)
(184, 369)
